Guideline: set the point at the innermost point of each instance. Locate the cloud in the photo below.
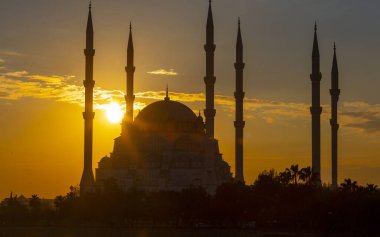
(171, 72)
(2, 67)
(361, 116)
(20, 84)
(16, 74)
(10, 53)
(57, 80)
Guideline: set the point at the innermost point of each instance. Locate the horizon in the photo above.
(42, 96)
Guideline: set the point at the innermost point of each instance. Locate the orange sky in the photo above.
(41, 95)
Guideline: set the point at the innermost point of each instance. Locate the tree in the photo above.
(294, 173)
(35, 205)
(371, 188)
(349, 186)
(285, 177)
(306, 175)
(34, 201)
(58, 202)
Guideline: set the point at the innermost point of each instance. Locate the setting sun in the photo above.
(114, 113)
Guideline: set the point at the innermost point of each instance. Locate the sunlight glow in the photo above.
(114, 113)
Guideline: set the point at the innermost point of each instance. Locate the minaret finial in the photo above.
(167, 93)
(315, 26)
(239, 42)
(89, 5)
(210, 21)
(315, 46)
(335, 62)
(130, 40)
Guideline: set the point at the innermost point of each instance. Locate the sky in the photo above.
(42, 69)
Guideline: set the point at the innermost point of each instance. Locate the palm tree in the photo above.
(294, 173)
(34, 201)
(349, 186)
(306, 175)
(58, 202)
(285, 177)
(371, 188)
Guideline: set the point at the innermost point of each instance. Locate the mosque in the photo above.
(166, 146)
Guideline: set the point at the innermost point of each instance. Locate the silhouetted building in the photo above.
(335, 92)
(239, 97)
(87, 181)
(167, 146)
(316, 109)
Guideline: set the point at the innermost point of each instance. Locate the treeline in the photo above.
(288, 200)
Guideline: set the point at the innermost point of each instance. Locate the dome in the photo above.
(166, 111)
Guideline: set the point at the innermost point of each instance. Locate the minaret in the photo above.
(334, 92)
(130, 70)
(316, 110)
(210, 78)
(239, 97)
(87, 182)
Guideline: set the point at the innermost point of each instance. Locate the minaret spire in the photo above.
(130, 70)
(87, 180)
(316, 109)
(239, 98)
(334, 92)
(210, 78)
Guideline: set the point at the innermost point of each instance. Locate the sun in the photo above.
(114, 113)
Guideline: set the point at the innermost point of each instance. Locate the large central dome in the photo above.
(166, 111)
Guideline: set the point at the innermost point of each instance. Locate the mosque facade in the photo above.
(166, 146)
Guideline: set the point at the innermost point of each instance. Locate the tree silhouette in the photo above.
(35, 205)
(285, 177)
(285, 201)
(349, 186)
(294, 173)
(306, 175)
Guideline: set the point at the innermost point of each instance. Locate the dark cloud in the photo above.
(368, 126)
(368, 121)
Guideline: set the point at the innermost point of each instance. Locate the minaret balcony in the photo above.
(335, 92)
(209, 113)
(89, 84)
(89, 52)
(239, 124)
(210, 80)
(210, 48)
(316, 77)
(88, 115)
(316, 110)
(239, 95)
(129, 69)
